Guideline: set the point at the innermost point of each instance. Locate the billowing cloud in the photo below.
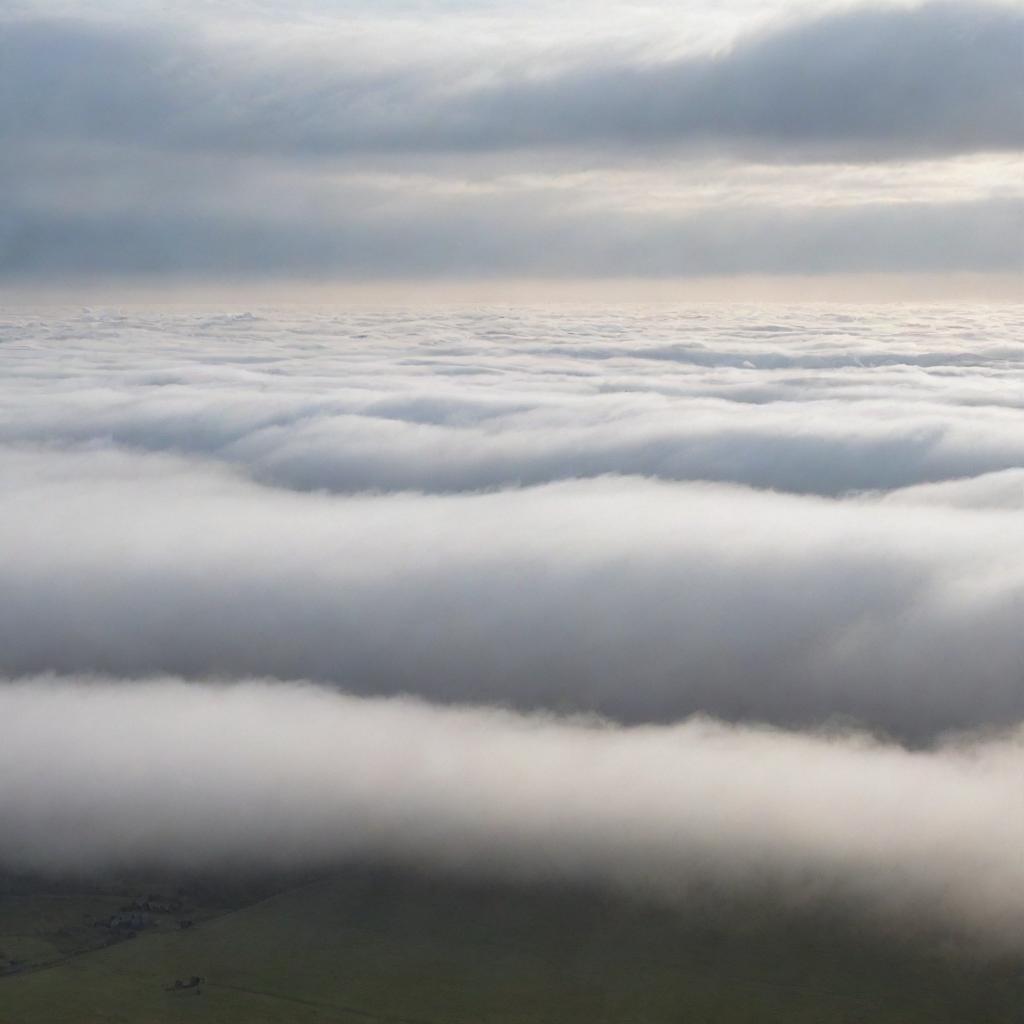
(641, 601)
(797, 400)
(101, 774)
(665, 598)
(246, 497)
(680, 601)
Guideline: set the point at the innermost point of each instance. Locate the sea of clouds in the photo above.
(665, 598)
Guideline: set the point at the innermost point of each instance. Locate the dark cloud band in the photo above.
(868, 83)
(155, 151)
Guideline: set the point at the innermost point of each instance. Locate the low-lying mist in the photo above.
(641, 600)
(676, 601)
(102, 774)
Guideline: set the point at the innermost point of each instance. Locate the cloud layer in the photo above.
(667, 599)
(100, 774)
(457, 511)
(875, 82)
(382, 147)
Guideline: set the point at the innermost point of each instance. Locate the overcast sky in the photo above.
(341, 140)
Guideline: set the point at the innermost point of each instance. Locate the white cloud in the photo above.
(102, 774)
(193, 494)
(442, 519)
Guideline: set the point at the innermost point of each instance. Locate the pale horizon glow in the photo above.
(785, 290)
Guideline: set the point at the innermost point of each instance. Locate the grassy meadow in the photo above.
(374, 945)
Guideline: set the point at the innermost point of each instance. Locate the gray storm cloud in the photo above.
(160, 148)
(395, 233)
(874, 82)
(101, 774)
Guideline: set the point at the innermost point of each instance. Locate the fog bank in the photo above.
(104, 774)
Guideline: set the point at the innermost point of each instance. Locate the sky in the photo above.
(675, 600)
(478, 141)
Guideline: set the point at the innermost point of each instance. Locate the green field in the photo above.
(372, 945)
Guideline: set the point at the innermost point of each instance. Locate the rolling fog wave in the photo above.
(103, 774)
(659, 598)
